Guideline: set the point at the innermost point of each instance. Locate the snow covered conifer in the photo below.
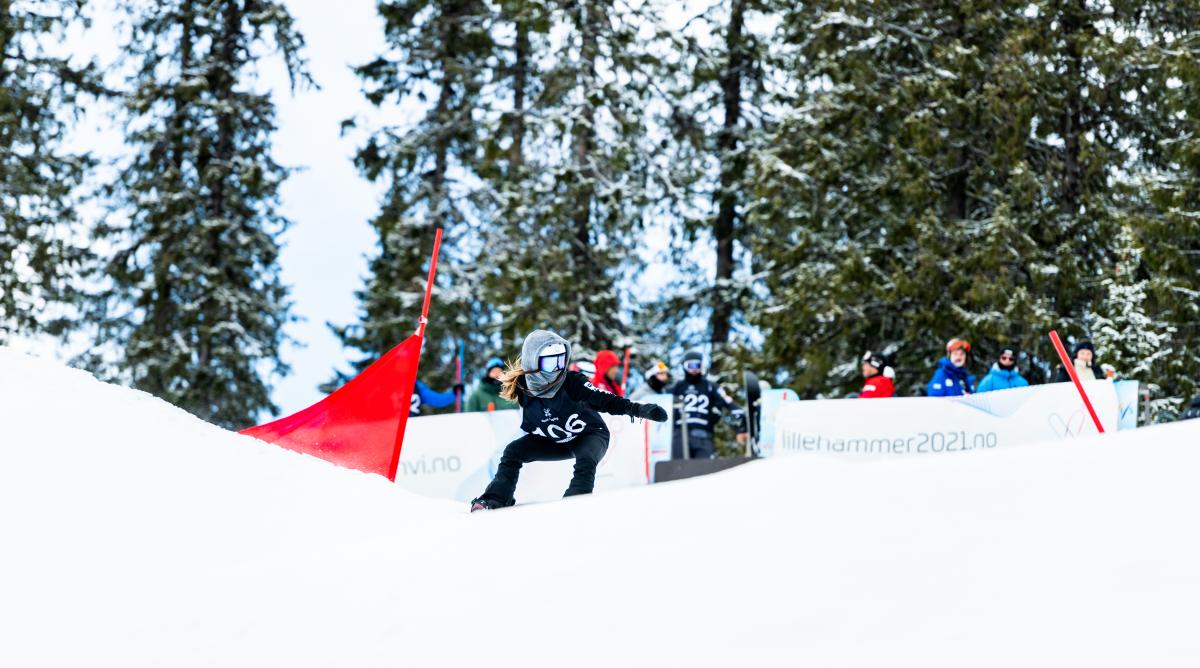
(40, 91)
(436, 62)
(1128, 337)
(195, 308)
(946, 171)
(714, 122)
(566, 213)
(1168, 234)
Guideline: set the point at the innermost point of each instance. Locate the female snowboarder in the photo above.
(559, 418)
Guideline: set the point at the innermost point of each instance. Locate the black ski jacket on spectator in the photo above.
(702, 402)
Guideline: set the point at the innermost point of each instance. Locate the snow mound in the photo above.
(132, 534)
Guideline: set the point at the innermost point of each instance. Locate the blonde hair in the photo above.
(508, 380)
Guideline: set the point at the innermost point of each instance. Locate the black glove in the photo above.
(650, 412)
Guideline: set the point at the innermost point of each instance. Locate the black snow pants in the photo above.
(700, 444)
(587, 450)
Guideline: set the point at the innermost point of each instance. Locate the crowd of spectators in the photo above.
(952, 376)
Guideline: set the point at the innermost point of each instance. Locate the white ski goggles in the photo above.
(550, 363)
(553, 358)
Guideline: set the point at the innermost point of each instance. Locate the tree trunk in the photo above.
(584, 133)
(222, 87)
(163, 311)
(1072, 116)
(732, 171)
(7, 32)
(516, 152)
(583, 145)
(958, 179)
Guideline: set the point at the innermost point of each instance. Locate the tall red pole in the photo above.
(437, 247)
(1070, 367)
(646, 447)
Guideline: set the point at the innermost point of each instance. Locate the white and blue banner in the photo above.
(455, 456)
(1127, 399)
(933, 425)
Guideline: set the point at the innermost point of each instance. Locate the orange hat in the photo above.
(955, 344)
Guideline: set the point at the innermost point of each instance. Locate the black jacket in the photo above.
(571, 412)
(702, 402)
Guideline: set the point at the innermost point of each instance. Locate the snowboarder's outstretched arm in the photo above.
(581, 390)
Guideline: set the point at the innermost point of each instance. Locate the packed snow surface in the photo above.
(132, 534)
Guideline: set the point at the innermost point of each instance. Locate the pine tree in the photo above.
(1167, 234)
(567, 212)
(40, 93)
(436, 60)
(522, 30)
(878, 184)
(946, 171)
(196, 306)
(712, 123)
(1132, 341)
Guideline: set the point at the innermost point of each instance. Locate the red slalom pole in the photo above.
(1062, 355)
(424, 319)
(437, 247)
(646, 447)
(625, 372)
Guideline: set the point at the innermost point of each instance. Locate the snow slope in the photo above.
(134, 535)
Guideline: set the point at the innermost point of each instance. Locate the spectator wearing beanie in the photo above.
(486, 396)
(1004, 374)
(877, 377)
(1083, 356)
(950, 378)
(657, 378)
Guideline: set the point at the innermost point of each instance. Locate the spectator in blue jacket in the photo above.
(423, 395)
(951, 379)
(1004, 374)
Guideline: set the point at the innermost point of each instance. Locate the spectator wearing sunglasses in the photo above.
(951, 378)
(560, 415)
(1004, 374)
(700, 404)
(877, 377)
(608, 372)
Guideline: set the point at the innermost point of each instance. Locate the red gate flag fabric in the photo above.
(361, 425)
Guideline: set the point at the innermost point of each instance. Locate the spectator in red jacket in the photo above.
(878, 376)
(608, 372)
